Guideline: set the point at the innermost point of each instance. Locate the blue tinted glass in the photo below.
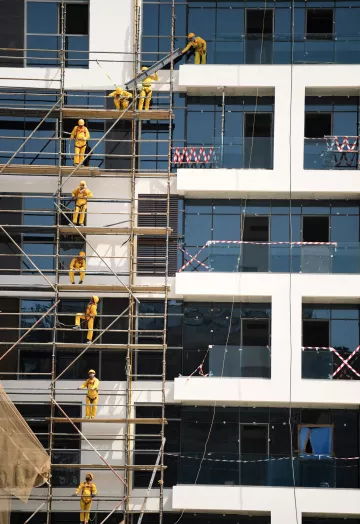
(42, 17)
(46, 58)
(344, 228)
(351, 312)
(345, 334)
(226, 227)
(77, 54)
(198, 206)
(197, 229)
(227, 207)
(279, 228)
(202, 22)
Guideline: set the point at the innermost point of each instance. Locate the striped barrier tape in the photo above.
(198, 261)
(345, 362)
(193, 156)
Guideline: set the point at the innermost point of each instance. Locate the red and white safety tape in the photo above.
(193, 156)
(198, 261)
(345, 362)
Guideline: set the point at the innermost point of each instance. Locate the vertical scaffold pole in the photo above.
(62, 8)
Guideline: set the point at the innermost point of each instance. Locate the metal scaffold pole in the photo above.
(57, 246)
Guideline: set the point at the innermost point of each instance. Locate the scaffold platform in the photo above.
(82, 171)
(88, 230)
(99, 420)
(87, 113)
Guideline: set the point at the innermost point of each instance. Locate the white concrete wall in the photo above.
(281, 503)
(110, 42)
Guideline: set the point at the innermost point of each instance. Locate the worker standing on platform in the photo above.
(87, 490)
(90, 315)
(121, 98)
(78, 265)
(80, 195)
(199, 44)
(81, 135)
(92, 397)
(146, 90)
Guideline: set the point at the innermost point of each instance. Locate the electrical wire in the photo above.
(238, 271)
(291, 260)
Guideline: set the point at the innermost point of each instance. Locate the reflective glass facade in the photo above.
(265, 32)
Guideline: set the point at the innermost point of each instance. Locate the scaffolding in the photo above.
(49, 283)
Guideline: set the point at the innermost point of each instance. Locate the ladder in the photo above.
(153, 69)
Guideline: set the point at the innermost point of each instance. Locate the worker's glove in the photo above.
(73, 495)
(93, 496)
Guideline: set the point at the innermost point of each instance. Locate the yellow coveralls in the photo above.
(121, 98)
(81, 196)
(146, 92)
(90, 314)
(81, 136)
(200, 49)
(77, 265)
(92, 397)
(87, 489)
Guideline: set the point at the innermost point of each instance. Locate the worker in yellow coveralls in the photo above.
(87, 490)
(121, 98)
(78, 265)
(81, 135)
(92, 397)
(89, 316)
(146, 90)
(80, 195)
(199, 44)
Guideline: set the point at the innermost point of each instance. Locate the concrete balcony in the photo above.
(286, 293)
(279, 502)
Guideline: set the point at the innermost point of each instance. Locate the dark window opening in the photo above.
(317, 125)
(254, 439)
(319, 24)
(77, 19)
(259, 21)
(316, 333)
(255, 332)
(258, 125)
(256, 229)
(315, 229)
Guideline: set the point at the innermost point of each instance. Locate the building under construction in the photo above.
(197, 248)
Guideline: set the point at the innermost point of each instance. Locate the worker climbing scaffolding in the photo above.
(89, 316)
(199, 45)
(92, 397)
(80, 195)
(121, 98)
(81, 135)
(78, 265)
(87, 490)
(145, 93)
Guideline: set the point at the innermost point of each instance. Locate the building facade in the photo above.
(222, 240)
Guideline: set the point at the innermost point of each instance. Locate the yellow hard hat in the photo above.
(82, 183)
(90, 475)
(118, 90)
(91, 371)
(95, 299)
(82, 254)
(144, 68)
(191, 35)
(81, 122)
